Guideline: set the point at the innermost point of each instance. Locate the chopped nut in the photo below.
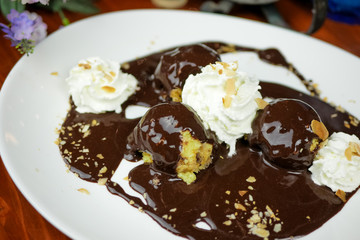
(131, 202)
(352, 150)
(277, 227)
(125, 65)
(227, 223)
(347, 124)
(93, 122)
(239, 206)
(354, 121)
(340, 109)
(108, 89)
(100, 156)
(83, 190)
(102, 181)
(103, 169)
(242, 192)
(228, 192)
(341, 194)
(230, 86)
(355, 148)
(85, 65)
(261, 232)
(348, 153)
(319, 129)
(203, 214)
(251, 179)
(261, 103)
(227, 101)
(173, 210)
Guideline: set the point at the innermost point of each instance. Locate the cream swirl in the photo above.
(98, 86)
(337, 164)
(225, 100)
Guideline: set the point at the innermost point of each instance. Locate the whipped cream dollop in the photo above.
(337, 164)
(225, 100)
(98, 85)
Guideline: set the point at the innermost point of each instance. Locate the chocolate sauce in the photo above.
(282, 130)
(240, 197)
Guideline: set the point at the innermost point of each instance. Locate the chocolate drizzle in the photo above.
(233, 195)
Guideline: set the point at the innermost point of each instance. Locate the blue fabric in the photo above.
(347, 11)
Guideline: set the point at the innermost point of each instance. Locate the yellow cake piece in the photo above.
(194, 156)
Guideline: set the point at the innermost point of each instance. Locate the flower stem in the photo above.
(65, 21)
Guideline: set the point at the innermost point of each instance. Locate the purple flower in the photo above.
(25, 30)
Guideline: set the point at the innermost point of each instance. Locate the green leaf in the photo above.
(81, 6)
(7, 5)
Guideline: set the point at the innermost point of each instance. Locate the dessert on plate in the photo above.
(223, 155)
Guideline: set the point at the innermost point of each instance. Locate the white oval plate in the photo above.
(33, 103)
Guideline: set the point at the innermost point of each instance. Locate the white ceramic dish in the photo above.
(33, 103)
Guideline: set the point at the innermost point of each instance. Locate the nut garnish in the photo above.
(355, 148)
(341, 194)
(230, 86)
(83, 190)
(352, 150)
(319, 129)
(242, 192)
(239, 206)
(108, 89)
(348, 153)
(227, 223)
(261, 103)
(102, 181)
(229, 90)
(103, 169)
(347, 124)
(251, 179)
(227, 101)
(85, 65)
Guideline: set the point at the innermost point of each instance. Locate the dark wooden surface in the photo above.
(18, 219)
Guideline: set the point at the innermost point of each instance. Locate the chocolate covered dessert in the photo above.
(283, 132)
(176, 65)
(264, 190)
(171, 138)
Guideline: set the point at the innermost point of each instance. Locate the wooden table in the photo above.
(18, 219)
